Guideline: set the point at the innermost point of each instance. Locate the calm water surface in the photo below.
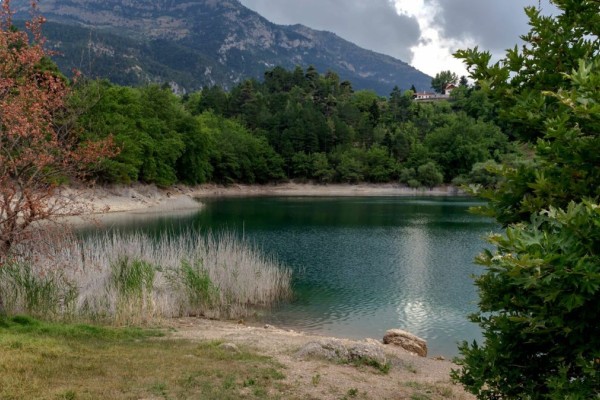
(361, 265)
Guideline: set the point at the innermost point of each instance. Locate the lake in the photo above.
(361, 265)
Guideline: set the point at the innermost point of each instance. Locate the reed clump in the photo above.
(136, 279)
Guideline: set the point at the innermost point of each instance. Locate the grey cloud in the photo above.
(494, 25)
(372, 24)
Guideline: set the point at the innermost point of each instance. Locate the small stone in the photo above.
(267, 326)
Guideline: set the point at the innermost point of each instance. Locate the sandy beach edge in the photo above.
(139, 198)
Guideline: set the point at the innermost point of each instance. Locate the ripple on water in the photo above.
(364, 265)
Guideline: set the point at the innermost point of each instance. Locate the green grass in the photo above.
(63, 361)
(28, 327)
(200, 290)
(44, 293)
(383, 368)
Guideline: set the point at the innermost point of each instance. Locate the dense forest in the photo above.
(296, 124)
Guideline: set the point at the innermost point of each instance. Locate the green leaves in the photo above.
(544, 282)
(540, 293)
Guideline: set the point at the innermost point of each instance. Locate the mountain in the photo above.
(192, 43)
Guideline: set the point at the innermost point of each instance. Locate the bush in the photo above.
(322, 171)
(430, 175)
(407, 174)
(350, 169)
(539, 310)
(541, 290)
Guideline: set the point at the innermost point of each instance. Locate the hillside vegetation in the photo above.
(294, 124)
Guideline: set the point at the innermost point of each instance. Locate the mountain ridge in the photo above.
(218, 42)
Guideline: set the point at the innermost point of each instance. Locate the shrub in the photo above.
(430, 175)
(538, 310)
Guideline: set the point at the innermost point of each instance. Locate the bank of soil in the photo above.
(410, 376)
(308, 190)
(148, 198)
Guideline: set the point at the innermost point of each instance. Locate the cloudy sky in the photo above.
(423, 33)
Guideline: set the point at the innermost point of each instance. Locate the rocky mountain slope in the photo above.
(191, 43)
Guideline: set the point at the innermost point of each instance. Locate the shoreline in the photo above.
(429, 375)
(410, 374)
(315, 190)
(139, 198)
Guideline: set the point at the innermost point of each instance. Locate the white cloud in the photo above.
(433, 52)
(424, 33)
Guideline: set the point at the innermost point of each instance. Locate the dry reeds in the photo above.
(134, 278)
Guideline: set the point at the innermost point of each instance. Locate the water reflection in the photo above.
(361, 265)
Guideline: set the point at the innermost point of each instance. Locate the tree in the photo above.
(322, 171)
(429, 175)
(461, 142)
(36, 154)
(113, 111)
(351, 168)
(443, 79)
(540, 294)
(160, 115)
(236, 155)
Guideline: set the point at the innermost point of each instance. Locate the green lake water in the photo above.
(361, 265)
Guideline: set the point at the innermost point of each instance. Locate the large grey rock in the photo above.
(335, 350)
(407, 341)
(330, 349)
(369, 353)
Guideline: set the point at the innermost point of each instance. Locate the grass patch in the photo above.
(28, 327)
(55, 361)
(383, 368)
(137, 279)
(42, 292)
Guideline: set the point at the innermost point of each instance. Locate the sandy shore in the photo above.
(410, 376)
(148, 198)
(312, 190)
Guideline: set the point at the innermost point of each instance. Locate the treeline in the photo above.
(293, 125)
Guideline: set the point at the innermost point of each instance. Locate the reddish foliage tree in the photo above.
(35, 153)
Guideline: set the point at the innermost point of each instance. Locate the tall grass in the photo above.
(134, 278)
